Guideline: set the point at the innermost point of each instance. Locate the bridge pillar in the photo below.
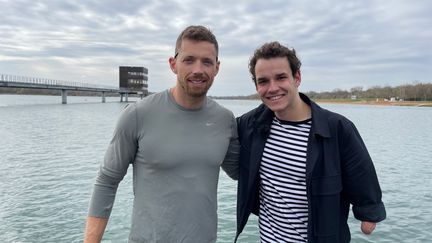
(103, 97)
(125, 95)
(64, 96)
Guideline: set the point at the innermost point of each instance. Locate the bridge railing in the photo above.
(53, 82)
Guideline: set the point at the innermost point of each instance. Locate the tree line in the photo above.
(408, 92)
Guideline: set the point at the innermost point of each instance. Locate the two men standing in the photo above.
(300, 166)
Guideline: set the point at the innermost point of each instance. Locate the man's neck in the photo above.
(298, 111)
(186, 101)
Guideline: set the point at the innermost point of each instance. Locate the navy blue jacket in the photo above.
(339, 172)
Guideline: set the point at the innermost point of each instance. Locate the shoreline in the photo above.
(379, 102)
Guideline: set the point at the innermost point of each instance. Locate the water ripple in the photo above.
(50, 155)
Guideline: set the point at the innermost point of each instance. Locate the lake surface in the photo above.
(50, 154)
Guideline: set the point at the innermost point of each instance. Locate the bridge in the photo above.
(15, 81)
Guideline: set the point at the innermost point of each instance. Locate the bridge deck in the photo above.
(14, 81)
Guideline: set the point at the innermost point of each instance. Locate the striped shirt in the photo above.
(283, 214)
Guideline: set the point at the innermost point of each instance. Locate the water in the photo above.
(50, 155)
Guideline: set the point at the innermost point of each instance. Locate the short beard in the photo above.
(191, 93)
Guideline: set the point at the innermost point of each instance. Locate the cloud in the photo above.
(341, 44)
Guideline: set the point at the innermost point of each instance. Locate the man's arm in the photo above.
(231, 161)
(120, 153)
(358, 167)
(95, 229)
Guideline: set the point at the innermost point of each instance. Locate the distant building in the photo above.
(133, 80)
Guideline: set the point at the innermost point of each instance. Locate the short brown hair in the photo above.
(271, 50)
(196, 33)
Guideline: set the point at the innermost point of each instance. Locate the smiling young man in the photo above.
(301, 166)
(176, 140)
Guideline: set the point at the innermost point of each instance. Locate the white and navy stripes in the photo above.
(283, 215)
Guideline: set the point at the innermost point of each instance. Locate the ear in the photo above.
(297, 78)
(217, 67)
(173, 65)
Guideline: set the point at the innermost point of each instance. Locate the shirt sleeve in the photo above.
(231, 161)
(120, 153)
(360, 178)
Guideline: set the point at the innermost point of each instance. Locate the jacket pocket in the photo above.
(326, 205)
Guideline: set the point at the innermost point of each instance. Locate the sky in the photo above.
(342, 44)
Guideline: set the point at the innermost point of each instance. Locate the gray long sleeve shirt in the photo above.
(176, 154)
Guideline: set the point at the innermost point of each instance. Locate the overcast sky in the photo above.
(342, 44)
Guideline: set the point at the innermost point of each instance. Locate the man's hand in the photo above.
(367, 227)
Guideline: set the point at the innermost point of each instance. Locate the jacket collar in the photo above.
(319, 118)
(262, 120)
(264, 116)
